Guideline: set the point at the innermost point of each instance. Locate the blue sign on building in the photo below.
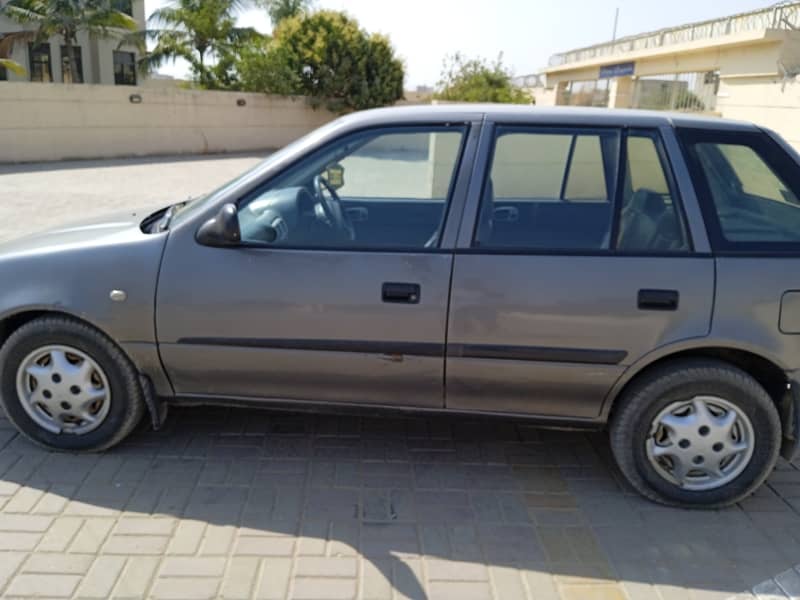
(618, 70)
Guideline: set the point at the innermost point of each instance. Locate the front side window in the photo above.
(124, 68)
(68, 74)
(40, 68)
(384, 189)
(750, 188)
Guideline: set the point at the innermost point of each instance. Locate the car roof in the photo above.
(522, 114)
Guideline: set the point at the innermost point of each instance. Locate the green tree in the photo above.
(327, 57)
(68, 18)
(279, 10)
(478, 80)
(202, 32)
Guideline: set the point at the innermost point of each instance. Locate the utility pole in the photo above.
(616, 22)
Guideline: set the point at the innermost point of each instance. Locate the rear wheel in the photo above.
(67, 386)
(696, 433)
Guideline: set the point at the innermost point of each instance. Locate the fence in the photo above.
(782, 16)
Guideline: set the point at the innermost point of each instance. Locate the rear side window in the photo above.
(749, 188)
(559, 190)
(550, 190)
(650, 217)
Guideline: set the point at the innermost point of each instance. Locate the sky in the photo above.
(527, 32)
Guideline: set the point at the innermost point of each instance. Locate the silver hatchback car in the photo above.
(578, 267)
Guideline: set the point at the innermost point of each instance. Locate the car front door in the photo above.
(339, 289)
(580, 263)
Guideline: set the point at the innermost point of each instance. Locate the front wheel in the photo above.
(696, 433)
(67, 386)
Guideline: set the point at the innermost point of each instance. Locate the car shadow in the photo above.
(436, 507)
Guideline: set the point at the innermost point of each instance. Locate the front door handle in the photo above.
(406, 293)
(658, 299)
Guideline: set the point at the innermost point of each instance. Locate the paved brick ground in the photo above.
(260, 504)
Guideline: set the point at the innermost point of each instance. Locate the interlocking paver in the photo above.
(240, 578)
(323, 589)
(40, 586)
(136, 578)
(101, 578)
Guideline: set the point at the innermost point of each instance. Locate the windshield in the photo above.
(199, 204)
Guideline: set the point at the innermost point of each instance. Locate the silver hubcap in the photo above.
(700, 444)
(63, 390)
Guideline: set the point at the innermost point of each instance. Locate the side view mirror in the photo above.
(221, 230)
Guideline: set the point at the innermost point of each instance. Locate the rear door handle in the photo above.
(658, 299)
(406, 293)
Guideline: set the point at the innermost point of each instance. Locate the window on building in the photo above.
(3, 74)
(68, 75)
(124, 68)
(40, 67)
(123, 6)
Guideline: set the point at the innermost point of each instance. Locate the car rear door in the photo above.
(574, 261)
(314, 317)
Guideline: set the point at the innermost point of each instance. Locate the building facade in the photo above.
(744, 66)
(98, 60)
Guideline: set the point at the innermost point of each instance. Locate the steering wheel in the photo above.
(332, 208)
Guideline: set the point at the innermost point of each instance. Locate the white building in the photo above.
(100, 61)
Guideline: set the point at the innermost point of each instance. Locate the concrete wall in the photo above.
(41, 122)
(765, 101)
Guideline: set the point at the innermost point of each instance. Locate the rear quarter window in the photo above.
(748, 186)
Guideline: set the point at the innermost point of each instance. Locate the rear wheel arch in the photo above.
(763, 369)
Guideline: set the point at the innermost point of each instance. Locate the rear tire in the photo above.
(696, 433)
(51, 371)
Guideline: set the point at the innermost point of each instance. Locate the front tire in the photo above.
(696, 433)
(67, 386)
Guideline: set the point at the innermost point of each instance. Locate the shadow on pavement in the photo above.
(437, 507)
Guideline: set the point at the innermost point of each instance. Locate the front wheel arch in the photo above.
(12, 322)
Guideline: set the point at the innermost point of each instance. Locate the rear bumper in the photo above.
(790, 418)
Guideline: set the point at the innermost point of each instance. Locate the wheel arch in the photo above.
(11, 322)
(764, 369)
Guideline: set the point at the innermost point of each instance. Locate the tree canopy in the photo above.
(279, 10)
(478, 80)
(327, 56)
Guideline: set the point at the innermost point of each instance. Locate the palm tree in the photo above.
(279, 10)
(68, 18)
(202, 32)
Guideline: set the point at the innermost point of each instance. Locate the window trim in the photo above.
(770, 152)
(466, 128)
(577, 129)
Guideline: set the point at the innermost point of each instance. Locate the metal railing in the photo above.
(780, 16)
